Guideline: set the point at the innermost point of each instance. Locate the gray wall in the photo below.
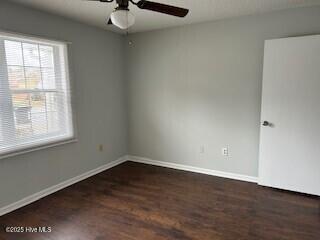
(96, 58)
(200, 85)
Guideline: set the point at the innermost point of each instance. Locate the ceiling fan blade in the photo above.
(163, 8)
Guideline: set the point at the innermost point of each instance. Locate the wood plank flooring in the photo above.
(137, 201)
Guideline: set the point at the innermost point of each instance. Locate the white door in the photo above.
(290, 141)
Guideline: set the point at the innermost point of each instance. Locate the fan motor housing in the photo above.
(123, 4)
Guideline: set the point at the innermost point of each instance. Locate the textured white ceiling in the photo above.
(94, 13)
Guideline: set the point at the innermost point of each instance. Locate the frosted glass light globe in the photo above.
(122, 18)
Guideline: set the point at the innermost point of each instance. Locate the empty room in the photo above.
(159, 120)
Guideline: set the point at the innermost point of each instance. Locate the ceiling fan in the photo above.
(123, 18)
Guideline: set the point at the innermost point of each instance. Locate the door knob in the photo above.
(266, 123)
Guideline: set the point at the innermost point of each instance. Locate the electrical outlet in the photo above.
(100, 147)
(201, 150)
(225, 151)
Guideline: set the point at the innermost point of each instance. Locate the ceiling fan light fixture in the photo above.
(122, 18)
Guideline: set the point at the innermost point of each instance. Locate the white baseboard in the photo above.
(194, 169)
(34, 197)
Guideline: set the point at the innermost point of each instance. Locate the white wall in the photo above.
(200, 85)
(96, 58)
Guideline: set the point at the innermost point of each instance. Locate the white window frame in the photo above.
(26, 146)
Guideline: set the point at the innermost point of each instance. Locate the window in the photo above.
(35, 105)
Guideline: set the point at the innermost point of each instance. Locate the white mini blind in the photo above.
(35, 98)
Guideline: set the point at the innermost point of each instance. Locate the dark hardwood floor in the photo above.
(137, 201)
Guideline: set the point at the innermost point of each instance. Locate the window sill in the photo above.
(50, 145)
